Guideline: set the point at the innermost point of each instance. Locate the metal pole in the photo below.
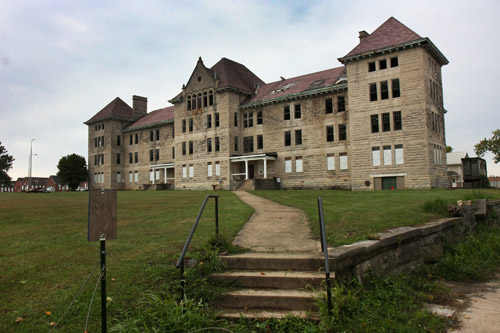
(324, 248)
(216, 217)
(320, 212)
(183, 282)
(30, 164)
(104, 325)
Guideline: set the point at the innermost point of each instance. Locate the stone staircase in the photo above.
(271, 285)
(246, 185)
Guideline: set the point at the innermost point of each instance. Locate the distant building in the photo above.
(456, 168)
(376, 122)
(475, 172)
(8, 188)
(494, 181)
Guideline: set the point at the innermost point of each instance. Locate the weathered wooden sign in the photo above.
(102, 214)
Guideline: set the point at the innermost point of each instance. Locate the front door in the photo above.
(389, 183)
(251, 172)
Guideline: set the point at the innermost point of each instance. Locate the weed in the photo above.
(437, 206)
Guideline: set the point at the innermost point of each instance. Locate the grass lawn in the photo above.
(353, 216)
(45, 256)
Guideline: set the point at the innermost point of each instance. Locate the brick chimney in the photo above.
(362, 35)
(139, 106)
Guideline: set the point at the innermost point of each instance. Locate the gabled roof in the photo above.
(392, 34)
(233, 74)
(296, 86)
(456, 157)
(153, 118)
(117, 109)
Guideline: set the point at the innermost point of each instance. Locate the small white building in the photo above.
(455, 168)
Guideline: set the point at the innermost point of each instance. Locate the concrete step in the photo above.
(274, 261)
(269, 300)
(271, 279)
(234, 314)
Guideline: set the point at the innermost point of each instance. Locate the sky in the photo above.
(61, 62)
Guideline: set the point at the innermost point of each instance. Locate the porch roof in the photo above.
(255, 157)
(162, 166)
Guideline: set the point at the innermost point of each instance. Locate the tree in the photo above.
(491, 145)
(449, 149)
(5, 164)
(72, 170)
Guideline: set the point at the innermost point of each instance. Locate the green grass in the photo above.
(45, 256)
(353, 216)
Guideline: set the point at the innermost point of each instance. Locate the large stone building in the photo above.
(377, 122)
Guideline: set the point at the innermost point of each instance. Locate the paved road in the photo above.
(483, 313)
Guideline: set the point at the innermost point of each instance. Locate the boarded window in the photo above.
(191, 171)
(209, 169)
(375, 156)
(398, 154)
(288, 164)
(217, 168)
(298, 164)
(387, 155)
(184, 171)
(343, 161)
(330, 162)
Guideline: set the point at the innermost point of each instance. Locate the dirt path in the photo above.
(274, 228)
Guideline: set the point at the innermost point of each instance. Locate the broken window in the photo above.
(341, 103)
(286, 112)
(382, 64)
(189, 102)
(394, 62)
(397, 121)
(210, 98)
(342, 132)
(330, 133)
(205, 99)
(298, 112)
(328, 105)
(298, 137)
(288, 138)
(371, 67)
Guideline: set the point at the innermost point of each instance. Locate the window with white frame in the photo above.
(184, 171)
(130, 177)
(217, 168)
(151, 176)
(136, 176)
(344, 165)
(298, 164)
(398, 154)
(330, 162)
(209, 169)
(387, 155)
(288, 164)
(375, 156)
(191, 170)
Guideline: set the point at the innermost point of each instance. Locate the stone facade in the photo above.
(375, 123)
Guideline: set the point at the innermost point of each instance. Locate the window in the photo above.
(151, 175)
(191, 170)
(398, 154)
(298, 112)
(157, 135)
(288, 138)
(157, 154)
(205, 99)
(199, 101)
(151, 155)
(118, 140)
(328, 105)
(209, 120)
(386, 122)
(209, 169)
(130, 158)
(248, 144)
(190, 124)
(382, 64)
(130, 177)
(189, 102)
(298, 137)
(209, 145)
(151, 136)
(374, 123)
(259, 118)
(210, 97)
(95, 142)
(397, 121)
(217, 168)
(136, 157)
(217, 119)
(118, 177)
(235, 119)
(184, 148)
(131, 139)
(136, 176)
(395, 88)
(394, 62)
(342, 132)
(173, 152)
(373, 92)
(330, 162)
(118, 158)
(371, 67)
(260, 142)
(183, 125)
(288, 164)
(236, 143)
(330, 133)
(384, 90)
(298, 164)
(286, 112)
(341, 103)
(184, 171)
(136, 138)
(387, 155)
(191, 147)
(248, 119)
(217, 143)
(375, 156)
(157, 174)
(343, 161)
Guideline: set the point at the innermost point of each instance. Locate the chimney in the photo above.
(362, 35)
(139, 106)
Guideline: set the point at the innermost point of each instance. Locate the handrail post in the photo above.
(324, 249)
(183, 282)
(216, 217)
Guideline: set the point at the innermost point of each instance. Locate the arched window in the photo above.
(199, 100)
(193, 104)
(211, 97)
(189, 102)
(205, 100)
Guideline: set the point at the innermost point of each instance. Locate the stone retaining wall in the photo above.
(407, 248)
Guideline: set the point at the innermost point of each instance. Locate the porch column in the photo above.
(165, 175)
(246, 169)
(265, 168)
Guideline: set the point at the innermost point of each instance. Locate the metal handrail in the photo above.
(180, 262)
(324, 249)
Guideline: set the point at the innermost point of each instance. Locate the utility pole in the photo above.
(30, 164)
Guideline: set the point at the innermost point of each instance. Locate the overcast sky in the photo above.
(63, 61)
